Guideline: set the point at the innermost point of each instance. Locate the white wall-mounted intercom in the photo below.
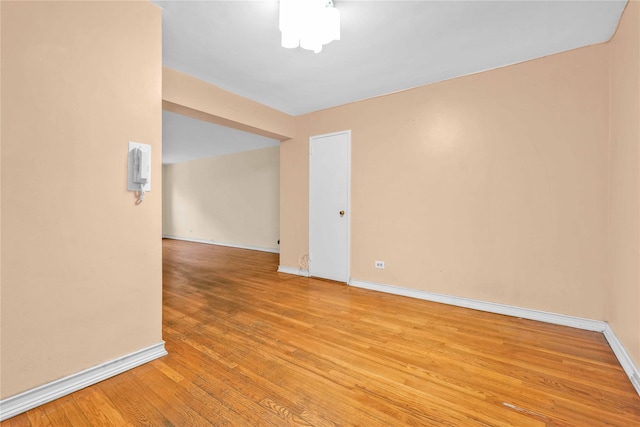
(139, 174)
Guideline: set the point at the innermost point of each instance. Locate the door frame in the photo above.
(348, 207)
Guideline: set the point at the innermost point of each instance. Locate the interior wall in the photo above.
(81, 261)
(0, 203)
(624, 288)
(491, 186)
(232, 199)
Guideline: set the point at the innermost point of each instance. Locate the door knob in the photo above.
(341, 213)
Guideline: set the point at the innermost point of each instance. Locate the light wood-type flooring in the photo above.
(252, 347)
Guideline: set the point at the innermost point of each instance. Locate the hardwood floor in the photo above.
(252, 347)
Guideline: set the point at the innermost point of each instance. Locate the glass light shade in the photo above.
(310, 44)
(308, 23)
(331, 17)
(288, 15)
(289, 23)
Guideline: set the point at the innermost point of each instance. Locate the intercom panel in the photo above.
(139, 174)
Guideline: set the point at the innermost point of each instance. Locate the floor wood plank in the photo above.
(252, 347)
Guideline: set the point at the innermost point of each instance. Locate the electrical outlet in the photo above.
(379, 264)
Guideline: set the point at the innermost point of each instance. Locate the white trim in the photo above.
(623, 357)
(491, 307)
(296, 271)
(348, 208)
(30, 399)
(229, 245)
(542, 316)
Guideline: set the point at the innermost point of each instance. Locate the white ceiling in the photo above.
(386, 46)
(184, 139)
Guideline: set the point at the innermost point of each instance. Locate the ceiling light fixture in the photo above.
(309, 24)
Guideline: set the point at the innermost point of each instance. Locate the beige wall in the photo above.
(81, 262)
(624, 288)
(491, 186)
(232, 199)
(0, 203)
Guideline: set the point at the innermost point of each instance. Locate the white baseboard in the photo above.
(558, 319)
(491, 307)
(623, 357)
(229, 245)
(296, 271)
(30, 399)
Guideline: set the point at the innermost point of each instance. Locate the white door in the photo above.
(329, 213)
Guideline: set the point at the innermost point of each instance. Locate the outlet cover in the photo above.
(379, 264)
